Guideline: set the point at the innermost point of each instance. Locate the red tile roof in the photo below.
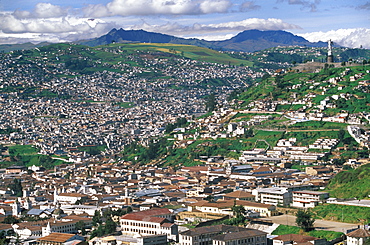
(148, 215)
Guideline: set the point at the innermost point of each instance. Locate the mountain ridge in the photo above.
(245, 41)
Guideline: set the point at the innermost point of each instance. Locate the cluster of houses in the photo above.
(317, 108)
(69, 110)
(199, 193)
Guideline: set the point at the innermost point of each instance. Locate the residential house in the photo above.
(317, 170)
(291, 239)
(239, 195)
(358, 237)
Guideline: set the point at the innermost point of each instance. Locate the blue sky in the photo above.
(345, 22)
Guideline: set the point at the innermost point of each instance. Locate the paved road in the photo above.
(319, 224)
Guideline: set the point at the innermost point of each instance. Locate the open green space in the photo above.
(342, 213)
(187, 51)
(287, 229)
(27, 155)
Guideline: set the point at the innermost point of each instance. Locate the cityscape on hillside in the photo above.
(163, 143)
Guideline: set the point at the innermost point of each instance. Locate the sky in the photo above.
(345, 22)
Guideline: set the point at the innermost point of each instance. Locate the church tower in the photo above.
(16, 208)
(27, 204)
(330, 58)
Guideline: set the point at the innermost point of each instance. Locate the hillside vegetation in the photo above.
(342, 213)
(331, 84)
(353, 183)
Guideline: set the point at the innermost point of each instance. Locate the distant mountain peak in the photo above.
(248, 40)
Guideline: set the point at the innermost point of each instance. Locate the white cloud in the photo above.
(69, 28)
(10, 24)
(249, 5)
(352, 38)
(227, 27)
(42, 10)
(255, 23)
(306, 4)
(157, 7)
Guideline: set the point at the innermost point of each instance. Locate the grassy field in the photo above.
(271, 138)
(342, 213)
(27, 155)
(188, 51)
(286, 229)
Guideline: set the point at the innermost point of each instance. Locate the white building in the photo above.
(273, 196)
(68, 198)
(358, 237)
(150, 222)
(130, 240)
(308, 199)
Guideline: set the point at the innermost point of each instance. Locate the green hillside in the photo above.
(351, 183)
(311, 89)
(187, 51)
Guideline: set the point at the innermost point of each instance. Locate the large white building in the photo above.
(225, 207)
(273, 196)
(68, 198)
(150, 222)
(308, 199)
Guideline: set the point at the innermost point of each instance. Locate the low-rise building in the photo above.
(247, 237)
(217, 235)
(130, 240)
(70, 198)
(308, 199)
(59, 239)
(273, 196)
(150, 222)
(291, 239)
(358, 237)
(225, 207)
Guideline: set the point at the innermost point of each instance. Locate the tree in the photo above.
(10, 220)
(3, 239)
(238, 210)
(97, 218)
(248, 133)
(129, 209)
(367, 241)
(305, 220)
(97, 232)
(341, 134)
(80, 225)
(211, 102)
(209, 198)
(16, 187)
(110, 226)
